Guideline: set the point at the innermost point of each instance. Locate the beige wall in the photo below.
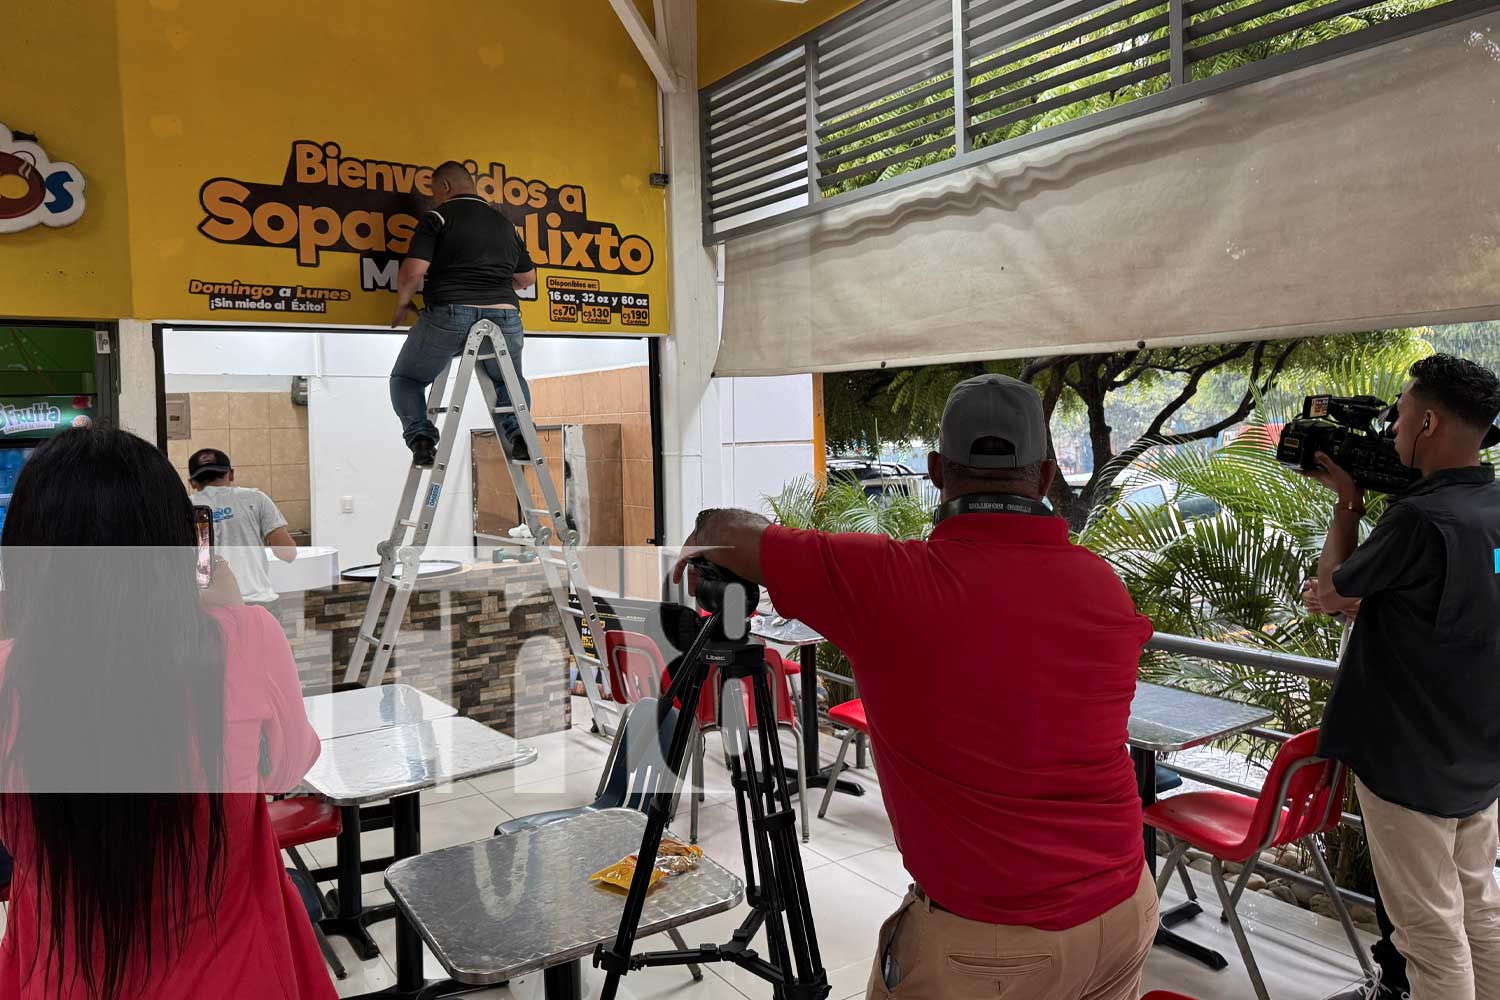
(265, 434)
(618, 396)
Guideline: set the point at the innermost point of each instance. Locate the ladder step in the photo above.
(434, 411)
(408, 523)
(544, 512)
(502, 409)
(373, 640)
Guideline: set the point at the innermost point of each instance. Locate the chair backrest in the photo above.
(635, 666)
(641, 756)
(1303, 794)
(781, 694)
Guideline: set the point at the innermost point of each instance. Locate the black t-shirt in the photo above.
(474, 252)
(1415, 711)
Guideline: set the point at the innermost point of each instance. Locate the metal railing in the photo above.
(1286, 663)
(897, 91)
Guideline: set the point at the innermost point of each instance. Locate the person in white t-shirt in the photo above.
(246, 522)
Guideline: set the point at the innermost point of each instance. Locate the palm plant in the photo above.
(842, 505)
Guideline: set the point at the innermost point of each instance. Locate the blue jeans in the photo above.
(439, 335)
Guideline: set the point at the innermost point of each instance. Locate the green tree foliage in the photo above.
(1171, 396)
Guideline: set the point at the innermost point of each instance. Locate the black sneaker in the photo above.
(423, 452)
(518, 450)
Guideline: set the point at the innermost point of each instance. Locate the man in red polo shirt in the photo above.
(997, 662)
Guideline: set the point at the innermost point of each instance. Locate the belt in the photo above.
(921, 894)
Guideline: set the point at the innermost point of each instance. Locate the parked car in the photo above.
(878, 478)
(1152, 496)
(1142, 491)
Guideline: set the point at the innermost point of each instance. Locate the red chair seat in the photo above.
(303, 820)
(1164, 995)
(850, 714)
(1212, 821)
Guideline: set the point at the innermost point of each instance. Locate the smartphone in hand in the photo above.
(203, 521)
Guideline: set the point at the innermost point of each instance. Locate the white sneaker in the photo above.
(1370, 988)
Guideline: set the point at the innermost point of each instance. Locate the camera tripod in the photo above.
(774, 881)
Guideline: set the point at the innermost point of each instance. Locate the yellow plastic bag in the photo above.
(672, 858)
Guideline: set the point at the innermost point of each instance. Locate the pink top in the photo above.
(259, 944)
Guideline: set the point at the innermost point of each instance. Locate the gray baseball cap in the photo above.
(994, 406)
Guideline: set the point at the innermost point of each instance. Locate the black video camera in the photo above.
(1357, 432)
(719, 590)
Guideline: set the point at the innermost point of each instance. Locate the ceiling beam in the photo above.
(655, 56)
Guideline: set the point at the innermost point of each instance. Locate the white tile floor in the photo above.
(856, 878)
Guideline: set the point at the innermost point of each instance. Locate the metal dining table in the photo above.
(396, 764)
(366, 709)
(791, 632)
(1165, 720)
(495, 910)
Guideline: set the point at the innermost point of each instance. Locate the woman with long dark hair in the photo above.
(142, 721)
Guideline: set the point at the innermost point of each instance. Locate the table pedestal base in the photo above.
(1168, 938)
(819, 779)
(1145, 773)
(354, 928)
(350, 919)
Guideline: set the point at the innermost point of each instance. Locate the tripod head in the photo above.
(728, 599)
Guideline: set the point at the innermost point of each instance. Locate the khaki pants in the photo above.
(941, 956)
(1437, 879)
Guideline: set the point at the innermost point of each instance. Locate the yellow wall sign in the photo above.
(329, 201)
(268, 162)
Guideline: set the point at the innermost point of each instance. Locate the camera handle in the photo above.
(775, 884)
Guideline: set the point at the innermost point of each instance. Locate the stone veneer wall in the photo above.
(487, 640)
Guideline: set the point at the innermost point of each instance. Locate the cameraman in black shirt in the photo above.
(1415, 712)
(474, 262)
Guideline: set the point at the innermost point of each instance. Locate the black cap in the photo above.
(208, 462)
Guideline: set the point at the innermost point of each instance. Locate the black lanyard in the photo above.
(992, 503)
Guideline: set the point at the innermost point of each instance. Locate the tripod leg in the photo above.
(787, 888)
(697, 795)
(685, 690)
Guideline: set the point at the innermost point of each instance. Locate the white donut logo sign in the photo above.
(33, 189)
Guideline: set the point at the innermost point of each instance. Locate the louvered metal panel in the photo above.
(896, 90)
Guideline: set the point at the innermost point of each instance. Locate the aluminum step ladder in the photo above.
(552, 540)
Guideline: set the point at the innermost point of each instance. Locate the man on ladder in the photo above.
(474, 262)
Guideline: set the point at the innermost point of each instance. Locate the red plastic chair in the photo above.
(850, 715)
(635, 666)
(786, 718)
(304, 820)
(1303, 796)
(636, 670)
(1164, 995)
